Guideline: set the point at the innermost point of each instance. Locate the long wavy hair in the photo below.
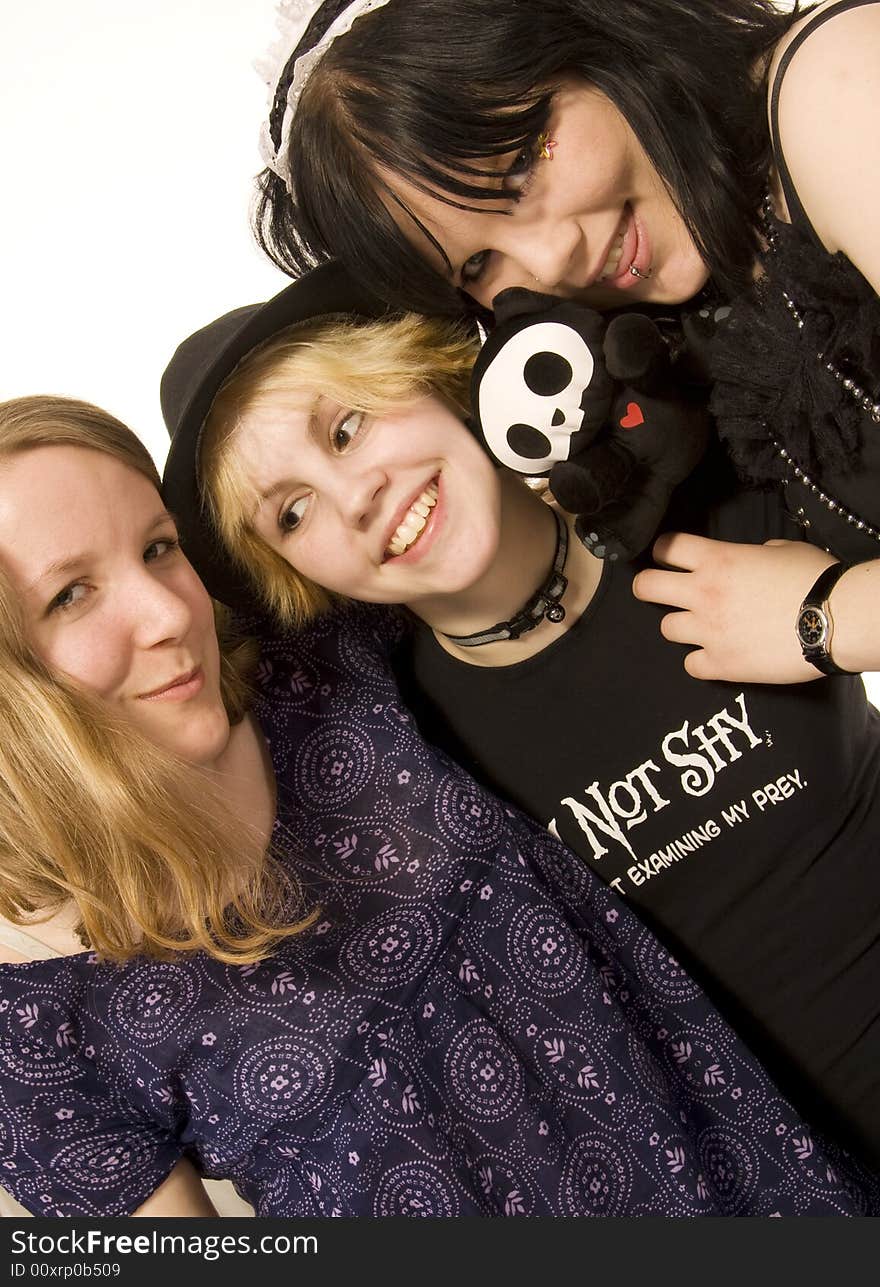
(427, 89)
(92, 811)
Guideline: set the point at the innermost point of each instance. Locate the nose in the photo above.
(158, 613)
(543, 251)
(360, 491)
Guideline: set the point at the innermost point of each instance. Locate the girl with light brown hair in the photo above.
(144, 841)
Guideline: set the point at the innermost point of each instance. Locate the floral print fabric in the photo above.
(475, 1026)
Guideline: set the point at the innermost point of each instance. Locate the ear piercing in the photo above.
(545, 147)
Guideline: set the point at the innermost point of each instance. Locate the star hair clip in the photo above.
(545, 146)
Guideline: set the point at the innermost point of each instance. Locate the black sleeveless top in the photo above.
(784, 414)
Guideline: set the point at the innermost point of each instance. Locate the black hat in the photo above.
(190, 384)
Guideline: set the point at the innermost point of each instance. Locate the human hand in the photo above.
(737, 605)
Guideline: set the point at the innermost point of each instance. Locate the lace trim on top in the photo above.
(770, 385)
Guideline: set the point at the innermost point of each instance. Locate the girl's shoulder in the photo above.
(345, 623)
(60, 978)
(826, 29)
(330, 667)
(40, 940)
(824, 111)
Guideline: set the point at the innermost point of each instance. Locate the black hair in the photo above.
(426, 89)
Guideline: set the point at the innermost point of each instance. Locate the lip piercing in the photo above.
(635, 272)
(545, 147)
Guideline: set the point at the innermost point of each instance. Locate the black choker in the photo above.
(545, 602)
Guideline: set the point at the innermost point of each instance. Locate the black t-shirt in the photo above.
(741, 820)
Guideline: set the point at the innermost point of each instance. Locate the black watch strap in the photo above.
(814, 626)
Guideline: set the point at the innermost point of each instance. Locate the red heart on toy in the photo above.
(633, 417)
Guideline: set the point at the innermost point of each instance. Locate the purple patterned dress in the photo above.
(475, 1027)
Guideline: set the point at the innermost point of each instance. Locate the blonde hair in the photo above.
(364, 366)
(144, 844)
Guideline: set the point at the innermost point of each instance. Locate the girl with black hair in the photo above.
(649, 153)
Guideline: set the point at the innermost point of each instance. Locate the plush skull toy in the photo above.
(558, 390)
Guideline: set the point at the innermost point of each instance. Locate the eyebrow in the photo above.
(58, 568)
(61, 567)
(269, 493)
(165, 516)
(264, 496)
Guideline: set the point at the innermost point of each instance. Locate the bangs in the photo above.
(433, 151)
(369, 366)
(346, 137)
(436, 91)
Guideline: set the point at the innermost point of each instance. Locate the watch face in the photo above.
(812, 627)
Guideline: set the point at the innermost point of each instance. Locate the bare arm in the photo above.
(181, 1194)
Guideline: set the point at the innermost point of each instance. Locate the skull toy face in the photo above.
(538, 388)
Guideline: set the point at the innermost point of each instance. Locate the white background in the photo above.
(128, 143)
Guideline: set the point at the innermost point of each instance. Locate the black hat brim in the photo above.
(190, 384)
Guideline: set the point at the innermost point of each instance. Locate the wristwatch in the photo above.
(814, 625)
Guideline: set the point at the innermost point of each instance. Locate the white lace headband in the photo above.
(293, 18)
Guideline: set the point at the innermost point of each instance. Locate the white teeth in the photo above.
(614, 253)
(411, 528)
(414, 521)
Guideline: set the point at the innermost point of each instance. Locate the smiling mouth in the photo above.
(629, 257)
(178, 687)
(414, 522)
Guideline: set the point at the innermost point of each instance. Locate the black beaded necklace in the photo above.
(850, 386)
(545, 602)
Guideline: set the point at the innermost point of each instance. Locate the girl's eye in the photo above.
(344, 431)
(157, 549)
(516, 183)
(69, 597)
(289, 519)
(518, 178)
(472, 268)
